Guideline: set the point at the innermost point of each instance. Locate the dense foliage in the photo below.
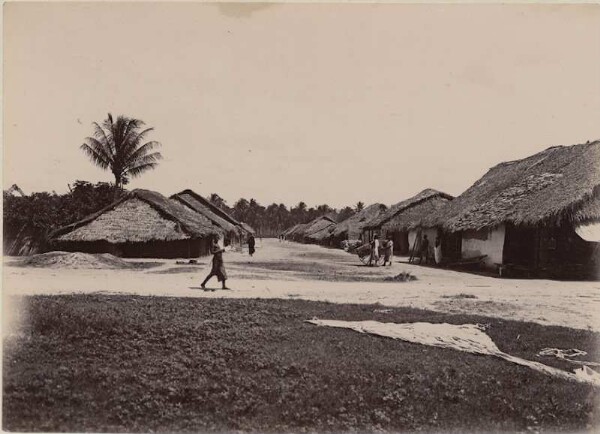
(40, 213)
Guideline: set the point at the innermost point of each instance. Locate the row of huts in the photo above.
(146, 224)
(537, 216)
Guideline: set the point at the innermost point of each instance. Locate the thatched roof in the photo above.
(291, 229)
(317, 225)
(215, 209)
(356, 222)
(288, 230)
(323, 233)
(558, 185)
(296, 231)
(248, 228)
(199, 204)
(416, 215)
(139, 216)
(394, 210)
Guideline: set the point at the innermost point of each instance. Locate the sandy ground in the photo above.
(290, 270)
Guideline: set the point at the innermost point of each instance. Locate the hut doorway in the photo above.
(451, 245)
(400, 239)
(520, 246)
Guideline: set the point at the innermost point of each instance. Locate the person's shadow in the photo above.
(209, 289)
(203, 289)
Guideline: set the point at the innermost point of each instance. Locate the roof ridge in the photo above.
(212, 206)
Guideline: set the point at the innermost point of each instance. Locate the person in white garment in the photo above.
(374, 251)
(437, 250)
(388, 252)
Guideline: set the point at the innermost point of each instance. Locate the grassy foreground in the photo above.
(139, 364)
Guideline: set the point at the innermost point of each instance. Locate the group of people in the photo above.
(388, 252)
(421, 251)
(422, 247)
(218, 265)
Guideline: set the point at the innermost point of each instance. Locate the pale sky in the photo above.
(322, 103)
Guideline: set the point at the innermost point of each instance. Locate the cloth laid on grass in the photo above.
(567, 354)
(466, 337)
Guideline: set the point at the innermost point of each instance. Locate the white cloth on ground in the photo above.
(566, 355)
(466, 337)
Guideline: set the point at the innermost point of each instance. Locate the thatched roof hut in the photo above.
(522, 216)
(401, 207)
(136, 221)
(287, 230)
(217, 216)
(295, 233)
(352, 226)
(201, 204)
(320, 224)
(323, 234)
(414, 216)
(558, 185)
(287, 233)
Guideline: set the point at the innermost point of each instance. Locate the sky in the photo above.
(321, 103)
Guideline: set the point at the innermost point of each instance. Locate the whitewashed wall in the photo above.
(492, 246)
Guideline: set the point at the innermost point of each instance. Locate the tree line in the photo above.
(271, 220)
(39, 214)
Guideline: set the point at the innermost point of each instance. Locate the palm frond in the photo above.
(107, 140)
(134, 141)
(96, 157)
(143, 159)
(107, 123)
(143, 150)
(138, 170)
(100, 148)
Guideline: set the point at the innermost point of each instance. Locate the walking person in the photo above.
(218, 266)
(251, 245)
(388, 253)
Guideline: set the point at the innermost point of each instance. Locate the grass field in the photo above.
(139, 364)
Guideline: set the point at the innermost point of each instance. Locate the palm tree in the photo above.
(117, 146)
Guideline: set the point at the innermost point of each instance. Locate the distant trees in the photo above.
(219, 202)
(119, 146)
(41, 213)
(275, 218)
(345, 213)
(359, 206)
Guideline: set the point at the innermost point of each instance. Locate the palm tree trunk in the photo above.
(118, 187)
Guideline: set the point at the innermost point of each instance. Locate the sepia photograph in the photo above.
(300, 217)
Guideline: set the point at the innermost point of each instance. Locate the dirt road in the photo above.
(289, 270)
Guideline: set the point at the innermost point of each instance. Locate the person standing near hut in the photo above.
(218, 266)
(437, 250)
(374, 251)
(251, 245)
(388, 252)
